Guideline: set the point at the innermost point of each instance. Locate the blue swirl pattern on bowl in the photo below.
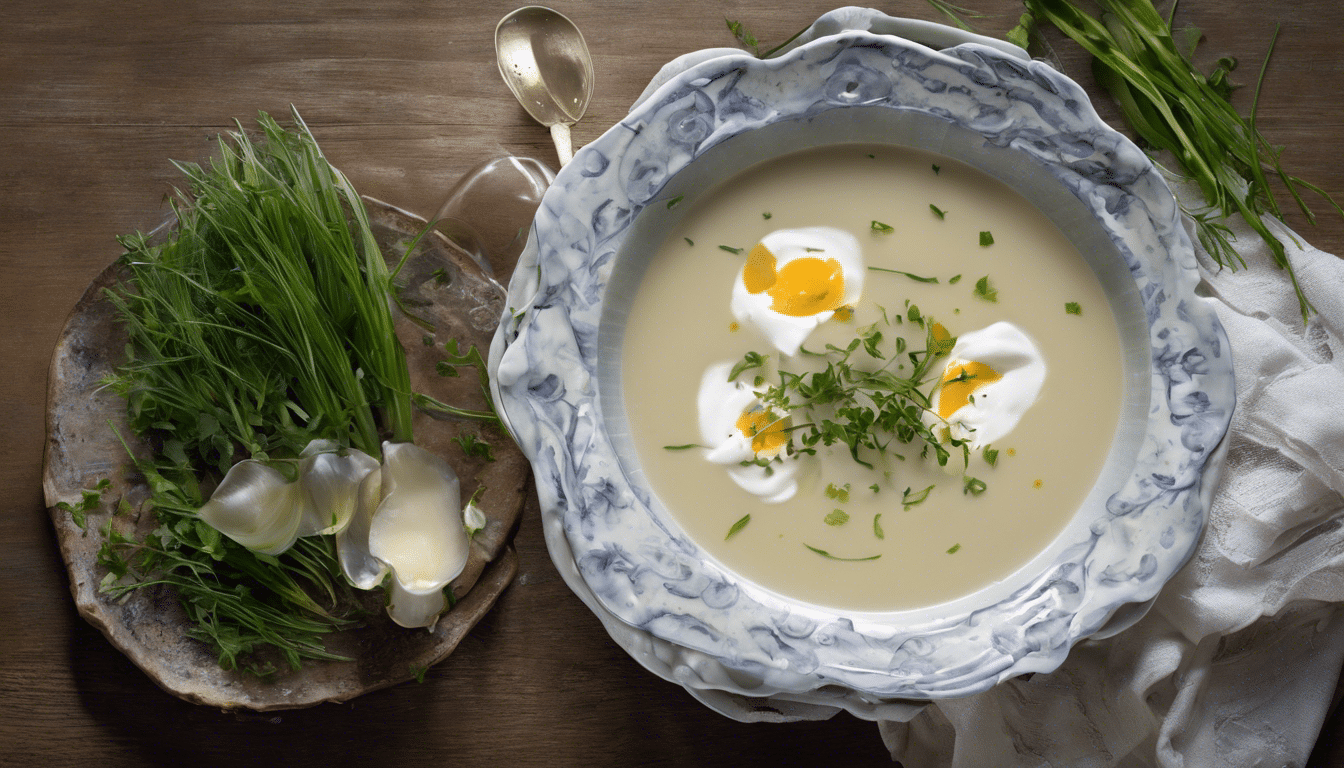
(638, 565)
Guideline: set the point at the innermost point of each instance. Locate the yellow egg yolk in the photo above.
(766, 432)
(960, 382)
(803, 287)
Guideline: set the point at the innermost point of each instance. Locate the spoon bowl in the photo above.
(545, 62)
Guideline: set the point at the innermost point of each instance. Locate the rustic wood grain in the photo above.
(97, 96)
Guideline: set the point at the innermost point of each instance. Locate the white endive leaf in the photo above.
(352, 544)
(256, 506)
(331, 486)
(417, 530)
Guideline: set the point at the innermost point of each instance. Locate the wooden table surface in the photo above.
(404, 95)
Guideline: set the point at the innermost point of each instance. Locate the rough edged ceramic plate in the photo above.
(1022, 122)
(149, 626)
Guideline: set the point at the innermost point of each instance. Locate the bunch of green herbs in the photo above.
(259, 321)
(866, 398)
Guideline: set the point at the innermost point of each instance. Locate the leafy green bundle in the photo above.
(1173, 107)
(259, 322)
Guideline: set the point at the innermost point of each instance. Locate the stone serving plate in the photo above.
(149, 626)
(555, 361)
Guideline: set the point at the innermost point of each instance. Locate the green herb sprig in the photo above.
(858, 401)
(1172, 106)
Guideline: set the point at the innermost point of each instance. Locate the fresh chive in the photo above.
(991, 456)
(909, 499)
(1174, 107)
(878, 226)
(953, 280)
(939, 212)
(829, 556)
(730, 249)
(986, 238)
(952, 550)
(738, 526)
(914, 277)
(767, 215)
(877, 526)
(673, 202)
(689, 241)
(682, 447)
(973, 486)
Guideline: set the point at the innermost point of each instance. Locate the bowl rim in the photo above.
(544, 366)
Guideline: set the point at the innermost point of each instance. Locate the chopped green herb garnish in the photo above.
(973, 486)
(914, 315)
(689, 241)
(878, 226)
(877, 526)
(939, 212)
(953, 280)
(673, 202)
(991, 456)
(840, 494)
(738, 526)
(837, 517)
(986, 291)
(875, 488)
(419, 673)
(916, 278)
(441, 276)
(1073, 308)
(952, 550)
(828, 555)
(937, 168)
(749, 361)
(730, 249)
(683, 447)
(986, 239)
(767, 215)
(909, 499)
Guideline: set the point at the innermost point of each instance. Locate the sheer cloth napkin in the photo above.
(1236, 662)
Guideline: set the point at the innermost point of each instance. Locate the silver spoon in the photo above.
(545, 62)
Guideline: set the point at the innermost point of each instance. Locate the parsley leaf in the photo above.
(986, 291)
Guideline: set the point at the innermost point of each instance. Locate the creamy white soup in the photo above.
(905, 533)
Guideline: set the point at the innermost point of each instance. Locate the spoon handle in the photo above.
(563, 145)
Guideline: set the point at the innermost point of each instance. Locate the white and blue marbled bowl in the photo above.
(555, 357)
